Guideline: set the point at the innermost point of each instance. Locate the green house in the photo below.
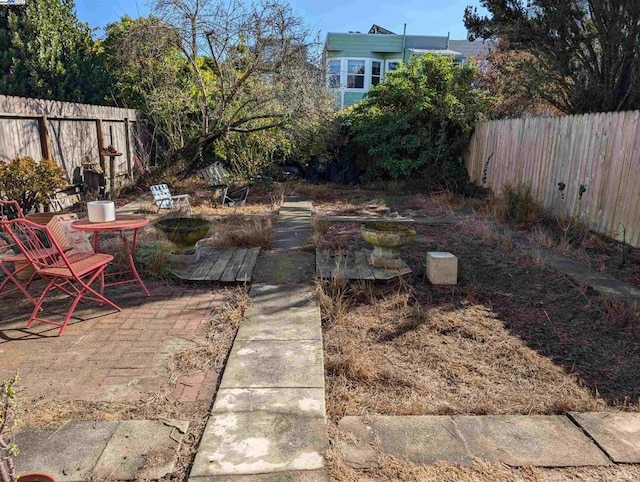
(355, 61)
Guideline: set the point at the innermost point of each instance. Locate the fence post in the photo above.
(45, 145)
(127, 142)
(100, 144)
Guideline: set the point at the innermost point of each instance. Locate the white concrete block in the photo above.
(442, 268)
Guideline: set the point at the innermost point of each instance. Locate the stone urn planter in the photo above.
(386, 239)
(184, 233)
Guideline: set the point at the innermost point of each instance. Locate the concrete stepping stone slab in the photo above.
(278, 296)
(289, 238)
(303, 401)
(260, 442)
(286, 323)
(618, 434)
(57, 451)
(141, 449)
(298, 476)
(274, 364)
(420, 439)
(538, 440)
(285, 268)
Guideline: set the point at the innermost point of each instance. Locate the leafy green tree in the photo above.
(502, 72)
(582, 55)
(418, 121)
(242, 67)
(149, 72)
(46, 52)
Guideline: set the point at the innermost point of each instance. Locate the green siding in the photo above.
(363, 45)
(351, 98)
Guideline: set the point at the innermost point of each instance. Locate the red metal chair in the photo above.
(73, 273)
(12, 262)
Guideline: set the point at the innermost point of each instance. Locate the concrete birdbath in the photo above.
(184, 233)
(386, 239)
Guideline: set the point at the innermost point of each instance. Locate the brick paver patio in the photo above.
(105, 355)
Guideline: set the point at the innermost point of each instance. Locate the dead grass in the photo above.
(220, 333)
(428, 357)
(399, 470)
(314, 192)
(237, 230)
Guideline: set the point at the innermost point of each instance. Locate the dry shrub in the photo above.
(435, 204)
(517, 205)
(506, 243)
(625, 316)
(574, 230)
(479, 229)
(333, 299)
(241, 231)
(277, 196)
(315, 192)
(320, 229)
(541, 236)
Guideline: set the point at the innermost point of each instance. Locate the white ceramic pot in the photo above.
(101, 211)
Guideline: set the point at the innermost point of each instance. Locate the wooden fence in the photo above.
(76, 136)
(598, 152)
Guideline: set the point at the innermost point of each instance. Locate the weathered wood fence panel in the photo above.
(600, 152)
(73, 135)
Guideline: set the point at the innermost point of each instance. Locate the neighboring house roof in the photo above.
(426, 42)
(470, 49)
(447, 52)
(384, 43)
(377, 29)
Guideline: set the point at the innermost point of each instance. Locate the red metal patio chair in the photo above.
(12, 262)
(72, 273)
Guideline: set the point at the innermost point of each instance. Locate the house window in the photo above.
(355, 74)
(392, 65)
(376, 68)
(334, 73)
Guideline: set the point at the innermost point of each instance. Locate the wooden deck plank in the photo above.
(362, 265)
(221, 264)
(384, 274)
(350, 268)
(231, 271)
(244, 274)
(201, 268)
(355, 266)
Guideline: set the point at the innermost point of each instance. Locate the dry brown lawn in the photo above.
(511, 338)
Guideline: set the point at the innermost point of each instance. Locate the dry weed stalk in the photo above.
(320, 229)
(625, 316)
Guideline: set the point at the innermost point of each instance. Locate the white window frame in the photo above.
(389, 61)
(367, 68)
(380, 73)
(340, 73)
(344, 67)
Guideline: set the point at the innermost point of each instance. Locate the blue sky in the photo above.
(423, 17)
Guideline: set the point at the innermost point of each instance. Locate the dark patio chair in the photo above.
(219, 180)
